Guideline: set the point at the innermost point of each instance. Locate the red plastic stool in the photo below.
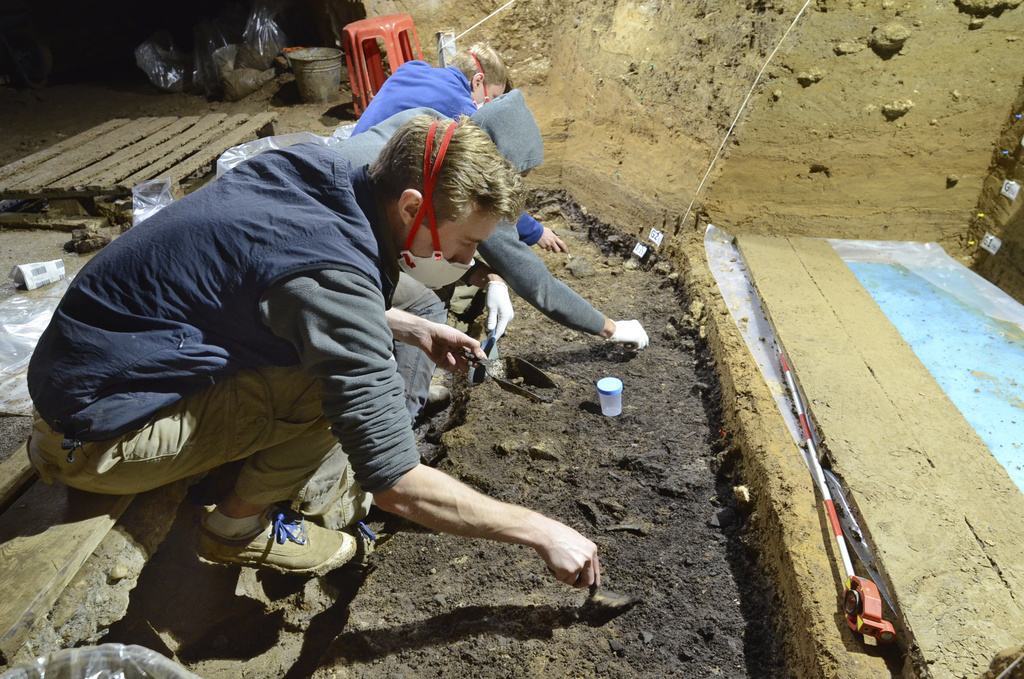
(363, 57)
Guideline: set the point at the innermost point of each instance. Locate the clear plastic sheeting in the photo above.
(930, 262)
(745, 308)
(237, 154)
(149, 197)
(107, 661)
(23, 317)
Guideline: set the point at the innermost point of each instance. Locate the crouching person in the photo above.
(250, 320)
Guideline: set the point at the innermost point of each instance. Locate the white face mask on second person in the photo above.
(434, 271)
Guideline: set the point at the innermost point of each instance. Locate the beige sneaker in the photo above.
(289, 545)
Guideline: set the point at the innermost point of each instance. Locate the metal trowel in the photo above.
(512, 374)
(602, 605)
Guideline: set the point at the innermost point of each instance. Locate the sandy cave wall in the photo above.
(820, 154)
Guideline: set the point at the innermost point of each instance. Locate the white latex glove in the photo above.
(499, 308)
(630, 334)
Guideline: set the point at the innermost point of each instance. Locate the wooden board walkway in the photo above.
(109, 159)
(46, 534)
(946, 521)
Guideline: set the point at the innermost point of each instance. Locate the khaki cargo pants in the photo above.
(272, 417)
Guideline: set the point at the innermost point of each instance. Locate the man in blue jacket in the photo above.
(249, 320)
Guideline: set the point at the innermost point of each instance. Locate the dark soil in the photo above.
(653, 487)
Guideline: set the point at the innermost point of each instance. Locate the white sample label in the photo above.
(656, 237)
(37, 274)
(640, 250)
(991, 244)
(1010, 189)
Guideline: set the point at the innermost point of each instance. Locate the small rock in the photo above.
(951, 181)
(663, 268)
(776, 95)
(441, 599)
(631, 264)
(543, 451)
(742, 496)
(848, 48)
(955, 94)
(975, 24)
(670, 332)
(724, 517)
(897, 109)
(697, 309)
(580, 267)
(616, 646)
(646, 637)
(808, 78)
(889, 39)
(118, 572)
(983, 8)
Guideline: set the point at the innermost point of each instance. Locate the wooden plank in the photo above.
(176, 155)
(219, 146)
(21, 220)
(201, 127)
(76, 159)
(16, 475)
(43, 541)
(49, 152)
(171, 127)
(43, 545)
(943, 515)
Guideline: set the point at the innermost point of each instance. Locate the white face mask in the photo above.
(434, 271)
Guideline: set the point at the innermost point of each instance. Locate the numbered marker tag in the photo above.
(656, 237)
(991, 244)
(1010, 189)
(640, 250)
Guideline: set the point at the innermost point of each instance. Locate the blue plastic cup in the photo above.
(610, 390)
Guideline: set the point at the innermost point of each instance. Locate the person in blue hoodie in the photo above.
(475, 77)
(250, 320)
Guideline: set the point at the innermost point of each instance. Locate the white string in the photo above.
(742, 106)
(488, 17)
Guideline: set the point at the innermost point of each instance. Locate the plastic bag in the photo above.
(237, 81)
(263, 36)
(209, 37)
(107, 661)
(149, 197)
(237, 154)
(22, 320)
(166, 66)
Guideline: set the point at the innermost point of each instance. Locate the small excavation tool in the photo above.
(860, 603)
(511, 374)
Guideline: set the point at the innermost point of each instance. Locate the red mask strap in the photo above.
(430, 175)
(481, 70)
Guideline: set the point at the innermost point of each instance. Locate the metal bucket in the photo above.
(317, 72)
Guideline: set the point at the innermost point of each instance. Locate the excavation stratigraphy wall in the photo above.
(875, 120)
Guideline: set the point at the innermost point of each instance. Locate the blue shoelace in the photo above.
(288, 525)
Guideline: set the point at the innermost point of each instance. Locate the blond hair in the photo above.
(493, 66)
(473, 176)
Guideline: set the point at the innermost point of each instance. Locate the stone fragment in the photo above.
(646, 637)
(616, 646)
(982, 8)
(580, 267)
(663, 268)
(845, 48)
(808, 78)
(897, 109)
(631, 264)
(951, 181)
(889, 39)
(975, 23)
(744, 502)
